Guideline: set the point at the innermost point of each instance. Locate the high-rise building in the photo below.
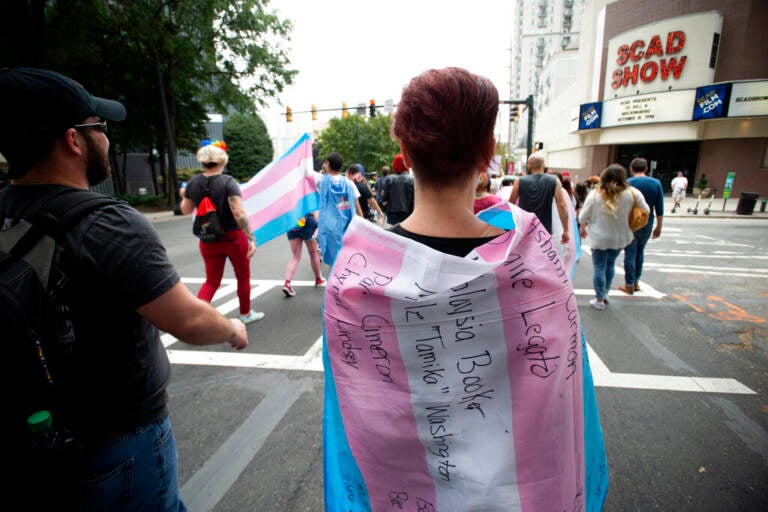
(542, 29)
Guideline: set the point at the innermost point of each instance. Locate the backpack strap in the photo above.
(55, 213)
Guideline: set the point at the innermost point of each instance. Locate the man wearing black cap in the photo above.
(119, 287)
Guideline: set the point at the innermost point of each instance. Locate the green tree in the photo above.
(169, 61)
(371, 136)
(248, 145)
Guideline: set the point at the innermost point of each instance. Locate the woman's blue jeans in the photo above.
(138, 470)
(603, 270)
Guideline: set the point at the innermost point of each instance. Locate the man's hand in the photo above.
(564, 238)
(239, 337)
(656, 232)
(251, 248)
(583, 231)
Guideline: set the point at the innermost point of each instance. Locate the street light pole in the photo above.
(529, 104)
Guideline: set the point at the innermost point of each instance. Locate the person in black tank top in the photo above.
(536, 192)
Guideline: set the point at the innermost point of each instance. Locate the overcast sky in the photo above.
(355, 51)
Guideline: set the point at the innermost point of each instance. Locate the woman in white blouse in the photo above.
(605, 217)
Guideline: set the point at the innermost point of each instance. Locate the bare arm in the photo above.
(515, 191)
(657, 230)
(562, 210)
(192, 320)
(241, 217)
(186, 206)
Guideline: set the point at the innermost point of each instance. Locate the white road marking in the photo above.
(312, 360)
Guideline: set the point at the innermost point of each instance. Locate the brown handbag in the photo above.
(638, 217)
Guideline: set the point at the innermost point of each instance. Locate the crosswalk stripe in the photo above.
(312, 360)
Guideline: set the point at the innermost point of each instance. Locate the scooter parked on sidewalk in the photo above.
(709, 206)
(695, 209)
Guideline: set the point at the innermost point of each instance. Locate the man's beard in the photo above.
(97, 166)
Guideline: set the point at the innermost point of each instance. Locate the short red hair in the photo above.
(445, 120)
(398, 164)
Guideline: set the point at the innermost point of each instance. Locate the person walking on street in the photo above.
(237, 242)
(634, 253)
(303, 234)
(442, 233)
(338, 204)
(605, 218)
(483, 197)
(368, 204)
(679, 186)
(398, 192)
(380, 181)
(110, 369)
(536, 192)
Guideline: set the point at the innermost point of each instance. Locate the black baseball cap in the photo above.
(38, 100)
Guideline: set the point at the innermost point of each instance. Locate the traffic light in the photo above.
(288, 115)
(344, 113)
(514, 113)
(314, 113)
(372, 108)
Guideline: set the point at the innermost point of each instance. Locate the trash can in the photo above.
(747, 203)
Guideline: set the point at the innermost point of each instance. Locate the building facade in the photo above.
(543, 28)
(683, 83)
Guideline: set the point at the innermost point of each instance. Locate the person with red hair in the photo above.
(469, 320)
(448, 146)
(398, 193)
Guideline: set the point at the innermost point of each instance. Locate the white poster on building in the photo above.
(672, 54)
(749, 99)
(662, 107)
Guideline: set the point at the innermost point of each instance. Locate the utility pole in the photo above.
(529, 104)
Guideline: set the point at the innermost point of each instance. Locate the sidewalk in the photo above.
(163, 216)
(716, 210)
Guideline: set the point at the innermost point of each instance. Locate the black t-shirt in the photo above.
(113, 369)
(454, 246)
(365, 195)
(222, 187)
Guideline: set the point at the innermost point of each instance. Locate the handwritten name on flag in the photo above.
(457, 383)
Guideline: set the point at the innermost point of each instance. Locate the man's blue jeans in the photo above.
(634, 254)
(603, 270)
(136, 471)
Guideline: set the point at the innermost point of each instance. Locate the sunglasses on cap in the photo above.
(101, 126)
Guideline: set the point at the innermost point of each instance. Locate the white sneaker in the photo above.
(251, 317)
(596, 304)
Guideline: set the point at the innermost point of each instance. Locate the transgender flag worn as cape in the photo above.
(282, 193)
(455, 384)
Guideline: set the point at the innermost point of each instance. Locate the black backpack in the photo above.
(207, 225)
(28, 315)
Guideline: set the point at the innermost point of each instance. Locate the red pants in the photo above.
(234, 245)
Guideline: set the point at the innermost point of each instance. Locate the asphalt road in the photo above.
(680, 368)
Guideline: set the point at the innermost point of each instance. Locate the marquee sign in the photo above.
(749, 99)
(676, 53)
(661, 107)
